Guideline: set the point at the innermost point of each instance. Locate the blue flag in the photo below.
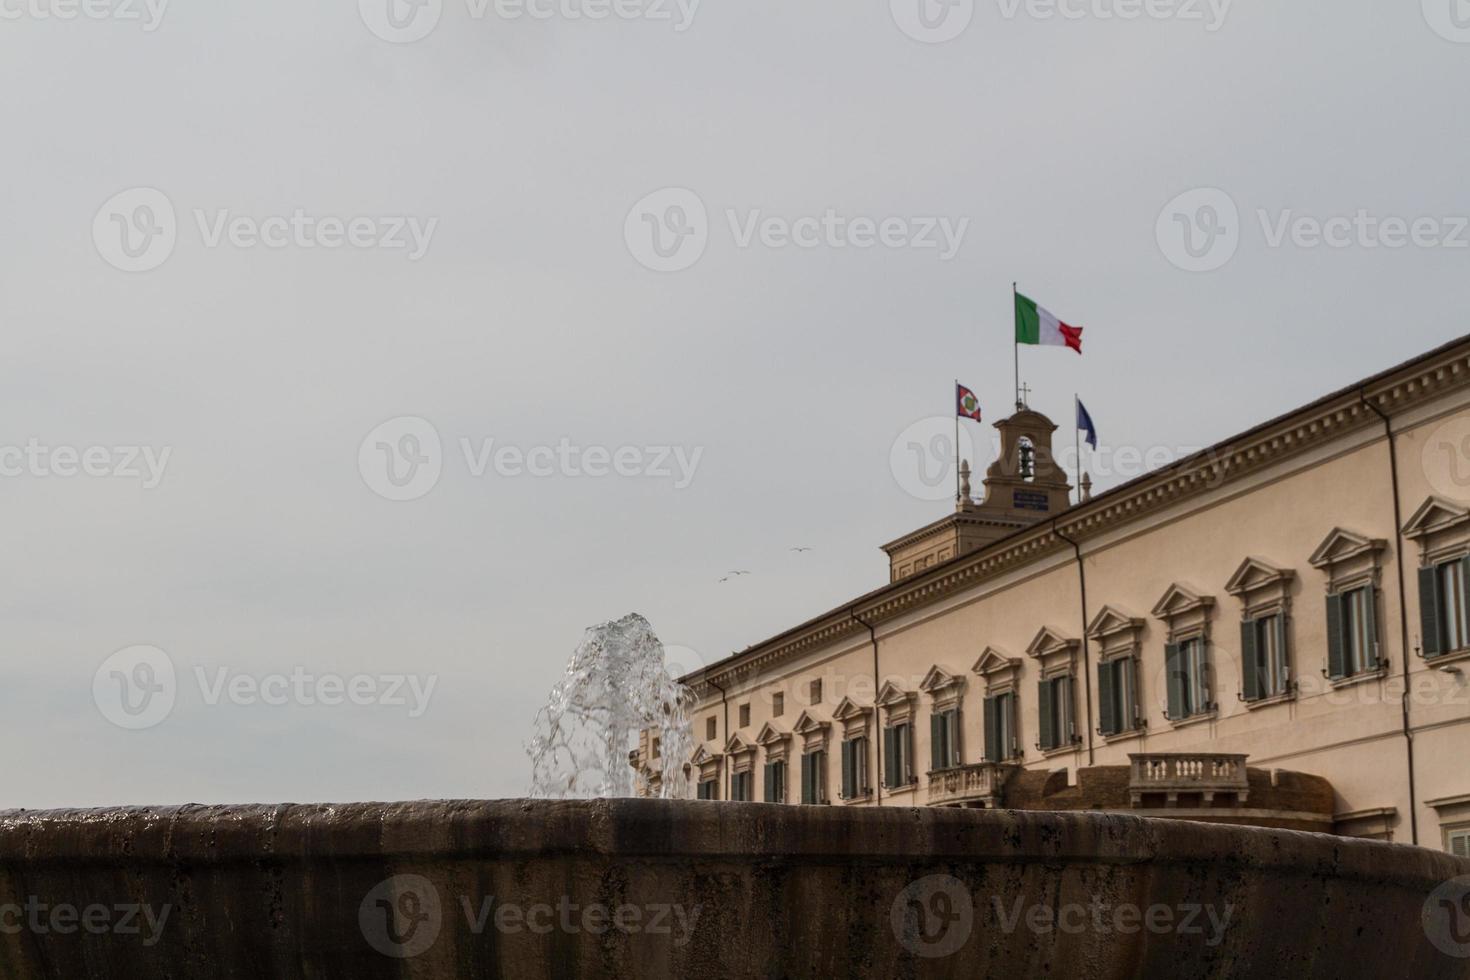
(1084, 423)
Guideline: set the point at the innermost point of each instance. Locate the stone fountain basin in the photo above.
(653, 889)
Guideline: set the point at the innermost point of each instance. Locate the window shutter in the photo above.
(1430, 624)
(956, 737)
(1464, 596)
(992, 731)
(1107, 715)
(848, 774)
(1044, 693)
(770, 782)
(1336, 654)
(890, 758)
(1066, 723)
(1174, 671)
(1013, 729)
(936, 741)
(1460, 844)
(1370, 603)
(1283, 656)
(1250, 670)
(806, 778)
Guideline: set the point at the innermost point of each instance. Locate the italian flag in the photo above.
(1034, 325)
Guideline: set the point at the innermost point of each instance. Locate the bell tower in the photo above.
(1024, 485)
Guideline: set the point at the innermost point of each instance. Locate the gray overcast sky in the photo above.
(532, 316)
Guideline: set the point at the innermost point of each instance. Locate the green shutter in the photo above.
(769, 782)
(1250, 671)
(890, 757)
(936, 741)
(1067, 710)
(1107, 715)
(1174, 672)
(806, 778)
(1336, 649)
(1431, 624)
(849, 771)
(956, 737)
(1283, 656)
(1044, 693)
(1370, 603)
(1464, 593)
(993, 751)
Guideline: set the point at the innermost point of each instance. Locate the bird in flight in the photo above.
(800, 550)
(731, 575)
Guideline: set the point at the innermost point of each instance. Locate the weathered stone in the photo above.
(738, 890)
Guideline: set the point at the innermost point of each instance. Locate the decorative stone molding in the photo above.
(740, 753)
(1116, 632)
(776, 742)
(853, 717)
(1442, 530)
(706, 763)
(1000, 673)
(944, 688)
(812, 731)
(1055, 653)
(1262, 588)
(1349, 559)
(1185, 613)
(897, 704)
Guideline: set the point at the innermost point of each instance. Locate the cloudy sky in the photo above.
(626, 303)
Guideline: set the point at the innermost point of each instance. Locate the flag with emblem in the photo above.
(968, 405)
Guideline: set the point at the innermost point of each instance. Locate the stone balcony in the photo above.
(1201, 775)
(980, 784)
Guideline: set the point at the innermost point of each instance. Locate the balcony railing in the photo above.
(981, 783)
(1172, 773)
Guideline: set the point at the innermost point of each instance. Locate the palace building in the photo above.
(1273, 631)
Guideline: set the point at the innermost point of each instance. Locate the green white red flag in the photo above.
(1036, 325)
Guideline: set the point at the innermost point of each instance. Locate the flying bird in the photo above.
(800, 550)
(731, 575)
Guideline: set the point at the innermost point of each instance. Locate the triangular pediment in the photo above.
(808, 723)
(1340, 545)
(848, 708)
(993, 661)
(1256, 573)
(702, 755)
(890, 693)
(1435, 514)
(770, 735)
(939, 679)
(1178, 599)
(738, 745)
(1048, 641)
(1110, 620)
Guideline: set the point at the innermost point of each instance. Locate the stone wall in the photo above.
(653, 889)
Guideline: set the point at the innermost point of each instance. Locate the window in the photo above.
(778, 704)
(658, 747)
(1443, 604)
(1054, 705)
(855, 768)
(1352, 632)
(1187, 665)
(898, 756)
(814, 777)
(709, 789)
(1457, 841)
(740, 786)
(944, 739)
(776, 782)
(1264, 671)
(745, 715)
(1000, 728)
(710, 730)
(1117, 696)
(815, 691)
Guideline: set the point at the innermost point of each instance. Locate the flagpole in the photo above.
(1077, 435)
(957, 440)
(1016, 346)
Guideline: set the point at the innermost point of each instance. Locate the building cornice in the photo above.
(1341, 413)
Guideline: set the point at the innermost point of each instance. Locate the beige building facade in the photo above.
(1275, 630)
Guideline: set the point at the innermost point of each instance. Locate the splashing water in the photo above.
(616, 686)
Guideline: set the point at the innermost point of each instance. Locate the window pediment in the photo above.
(1049, 643)
(1255, 574)
(890, 695)
(1341, 545)
(1433, 516)
(940, 681)
(808, 725)
(738, 745)
(703, 757)
(1110, 622)
(850, 710)
(771, 735)
(999, 671)
(1184, 611)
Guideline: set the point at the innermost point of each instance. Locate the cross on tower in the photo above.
(1025, 394)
